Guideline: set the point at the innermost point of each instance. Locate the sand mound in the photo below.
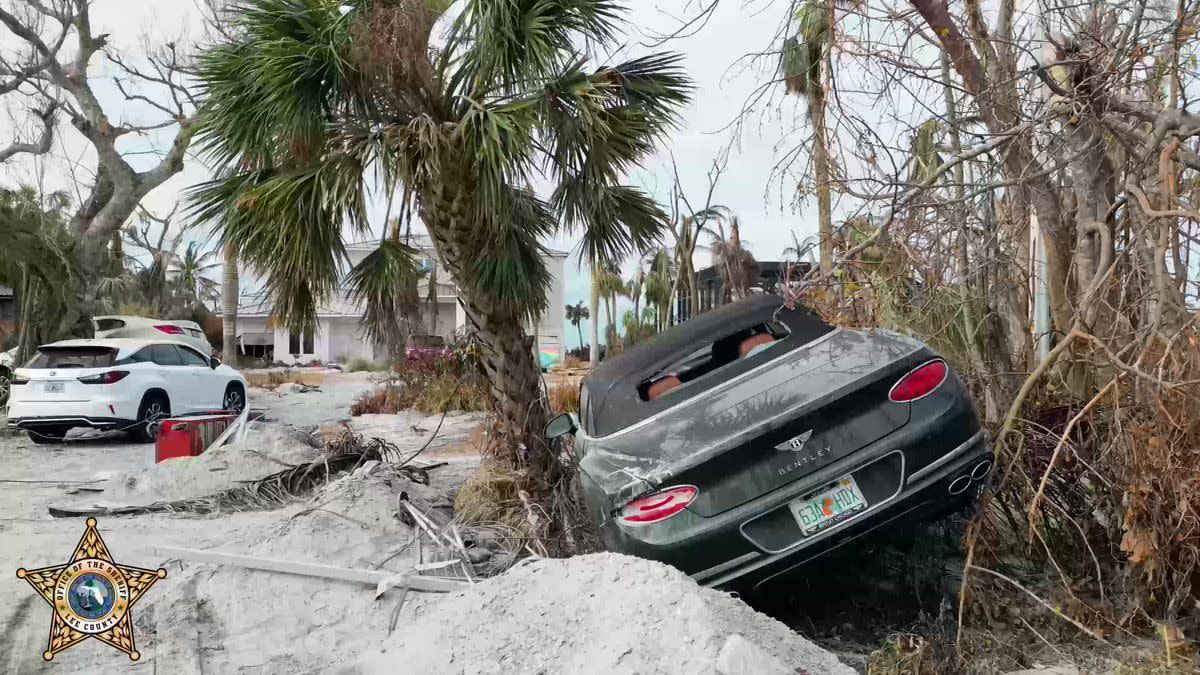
(267, 449)
(230, 618)
(600, 613)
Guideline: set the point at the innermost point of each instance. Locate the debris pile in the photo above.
(599, 613)
(267, 449)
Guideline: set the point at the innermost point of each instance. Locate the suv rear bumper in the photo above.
(99, 408)
(69, 421)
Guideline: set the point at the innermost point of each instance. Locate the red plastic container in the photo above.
(189, 436)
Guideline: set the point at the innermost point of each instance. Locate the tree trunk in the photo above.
(594, 323)
(513, 375)
(816, 117)
(229, 307)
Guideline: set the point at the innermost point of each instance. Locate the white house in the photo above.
(338, 336)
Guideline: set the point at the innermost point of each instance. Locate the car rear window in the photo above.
(109, 324)
(73, 357)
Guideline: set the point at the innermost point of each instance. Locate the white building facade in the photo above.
(339, 338)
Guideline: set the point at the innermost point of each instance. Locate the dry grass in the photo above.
(359, 364)
(564, 399)
(491, 497)
(383, 401)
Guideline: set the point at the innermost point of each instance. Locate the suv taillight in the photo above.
(920, 382)
(169, 329)
(18, 380)
(658, 506)
(104, 378)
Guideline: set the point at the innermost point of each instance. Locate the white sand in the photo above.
(602, 613)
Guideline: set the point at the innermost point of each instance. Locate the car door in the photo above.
(210, 385)
(179, 382)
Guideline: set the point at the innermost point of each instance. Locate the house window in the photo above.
(298, 346)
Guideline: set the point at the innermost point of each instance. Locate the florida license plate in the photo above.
(54, 387)
(829, 506)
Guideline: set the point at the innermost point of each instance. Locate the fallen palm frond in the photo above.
(345, 451)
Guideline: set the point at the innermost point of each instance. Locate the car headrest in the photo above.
(757, 340)
(662, 386)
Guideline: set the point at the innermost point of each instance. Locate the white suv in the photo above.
(141, 328)
(117, 384)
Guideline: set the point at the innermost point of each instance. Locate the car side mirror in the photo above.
(561, 426)
(213, 362)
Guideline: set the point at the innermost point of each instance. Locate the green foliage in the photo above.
(638, 329)
(61, 279)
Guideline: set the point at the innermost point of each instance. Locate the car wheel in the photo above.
(235, 398)
(154, 407)
(47, 435)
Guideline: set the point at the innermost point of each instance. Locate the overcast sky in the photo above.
(718, 56)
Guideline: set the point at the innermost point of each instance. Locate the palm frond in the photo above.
(288, 224)
(269, 92)
(513, 273)
(376, 283)
(800, 59)
(605, 122)
(924, 154)
(511, 44)
(616, 220)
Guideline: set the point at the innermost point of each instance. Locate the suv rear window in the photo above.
(109, 324)
(73, 357)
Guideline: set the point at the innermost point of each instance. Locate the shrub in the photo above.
(358, 364)
(572, 362)
(431, 383)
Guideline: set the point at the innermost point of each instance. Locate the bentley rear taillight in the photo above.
(658, 506)
(920, 382)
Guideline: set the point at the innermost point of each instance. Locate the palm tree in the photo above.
(575, 315)
(659, 287)
(594, 308)
(803, 60)
(309, 102)
(610, 285)
(190, 272)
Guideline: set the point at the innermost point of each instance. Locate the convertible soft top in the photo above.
(611, 400)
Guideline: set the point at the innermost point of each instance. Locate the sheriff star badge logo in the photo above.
(91, 596)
